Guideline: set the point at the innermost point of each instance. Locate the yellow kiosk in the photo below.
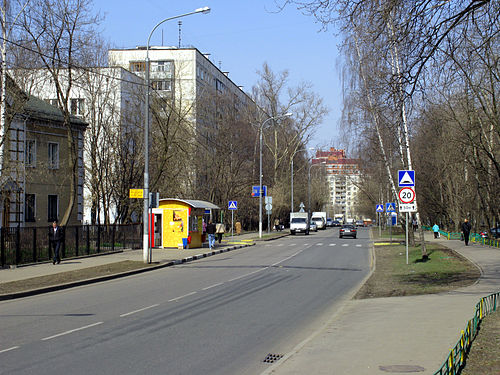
(178, 223)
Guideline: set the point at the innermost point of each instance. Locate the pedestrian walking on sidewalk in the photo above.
(211, 234)
(466, 227)
(219, 230)
(435, 229)
(56, 236)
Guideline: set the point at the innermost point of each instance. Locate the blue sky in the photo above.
(240, 36)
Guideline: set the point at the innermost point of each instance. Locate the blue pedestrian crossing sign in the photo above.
(232, 205)
(256, 191)
(390, 207)
(380, 208)
(406, 178)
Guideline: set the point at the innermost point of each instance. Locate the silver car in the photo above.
(313, 226)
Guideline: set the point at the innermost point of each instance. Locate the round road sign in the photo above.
(406, 195)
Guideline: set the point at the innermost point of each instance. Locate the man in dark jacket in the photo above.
(466, 227)
(56, 237)
(211, 234)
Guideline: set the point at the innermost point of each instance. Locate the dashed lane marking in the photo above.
(71, 331)
(184, 296)
(212, 286)
(8, 350)
(139, 310)
(319, 244)
(332, 244)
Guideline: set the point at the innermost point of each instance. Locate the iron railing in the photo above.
(473, 237)
(455, 361)
(20, 246)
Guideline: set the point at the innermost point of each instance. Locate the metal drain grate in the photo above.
(271, 358)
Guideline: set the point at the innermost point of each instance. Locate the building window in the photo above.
(52, 205)
(138, 66)
(53, 155)
(161, 66)
(30, 156)
(29, 208)
(53, 102)
(77, 107)
(161, 85)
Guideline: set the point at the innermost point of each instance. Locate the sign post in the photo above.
(269, 210)
(232, 205)
(406, 197)
(379, 208)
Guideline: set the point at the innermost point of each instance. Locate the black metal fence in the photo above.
(31, 245)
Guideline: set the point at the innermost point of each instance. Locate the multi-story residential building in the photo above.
(35, 181)
(186, 76)
(111, 101)
(343, 179)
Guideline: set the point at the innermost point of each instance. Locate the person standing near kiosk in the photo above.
(211, 234)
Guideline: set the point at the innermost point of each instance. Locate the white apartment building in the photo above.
(111, 101)
(183, 74)
(343, 179)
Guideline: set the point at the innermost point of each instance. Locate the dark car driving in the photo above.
(347, 230)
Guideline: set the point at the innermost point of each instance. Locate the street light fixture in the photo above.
(146, 250)
(309, 185)
(291, 174)
(288, 114)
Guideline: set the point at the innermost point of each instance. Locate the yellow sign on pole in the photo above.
(136, 193)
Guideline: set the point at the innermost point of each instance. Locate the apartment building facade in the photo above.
(186, 76)
(343, 176)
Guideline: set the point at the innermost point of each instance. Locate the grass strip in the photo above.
(445, 270)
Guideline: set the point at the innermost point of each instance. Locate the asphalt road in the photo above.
(220, 315)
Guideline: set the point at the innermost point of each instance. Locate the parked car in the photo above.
(329, 222)
(312, 226)
(360, 223)
(495, 232)
(347, 230)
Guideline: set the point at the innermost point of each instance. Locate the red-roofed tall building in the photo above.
(343, 179)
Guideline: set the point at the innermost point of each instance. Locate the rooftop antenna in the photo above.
(180, 29)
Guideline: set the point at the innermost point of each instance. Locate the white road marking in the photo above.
(248, 274)
(136, 311)
(8, 350)
(184, 296)
(71, 331)
(212, 286)
(345, 245)
(293, 244)
(359, 245)
(332, 244)
(319, 244)
(291, 256)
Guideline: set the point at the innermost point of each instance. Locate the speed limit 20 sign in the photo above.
(406, 195)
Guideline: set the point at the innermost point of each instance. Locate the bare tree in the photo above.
(58, 31)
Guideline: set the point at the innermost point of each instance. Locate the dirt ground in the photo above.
(70, 276)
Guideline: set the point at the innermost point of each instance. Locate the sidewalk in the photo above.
(395, 335)
(160, 257)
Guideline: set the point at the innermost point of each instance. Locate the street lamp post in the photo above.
(288, 114)
(309, 186)
(146, 249)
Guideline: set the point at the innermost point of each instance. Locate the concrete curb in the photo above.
(74, 284)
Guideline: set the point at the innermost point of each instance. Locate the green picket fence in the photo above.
(455, 361)
(474, 237)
